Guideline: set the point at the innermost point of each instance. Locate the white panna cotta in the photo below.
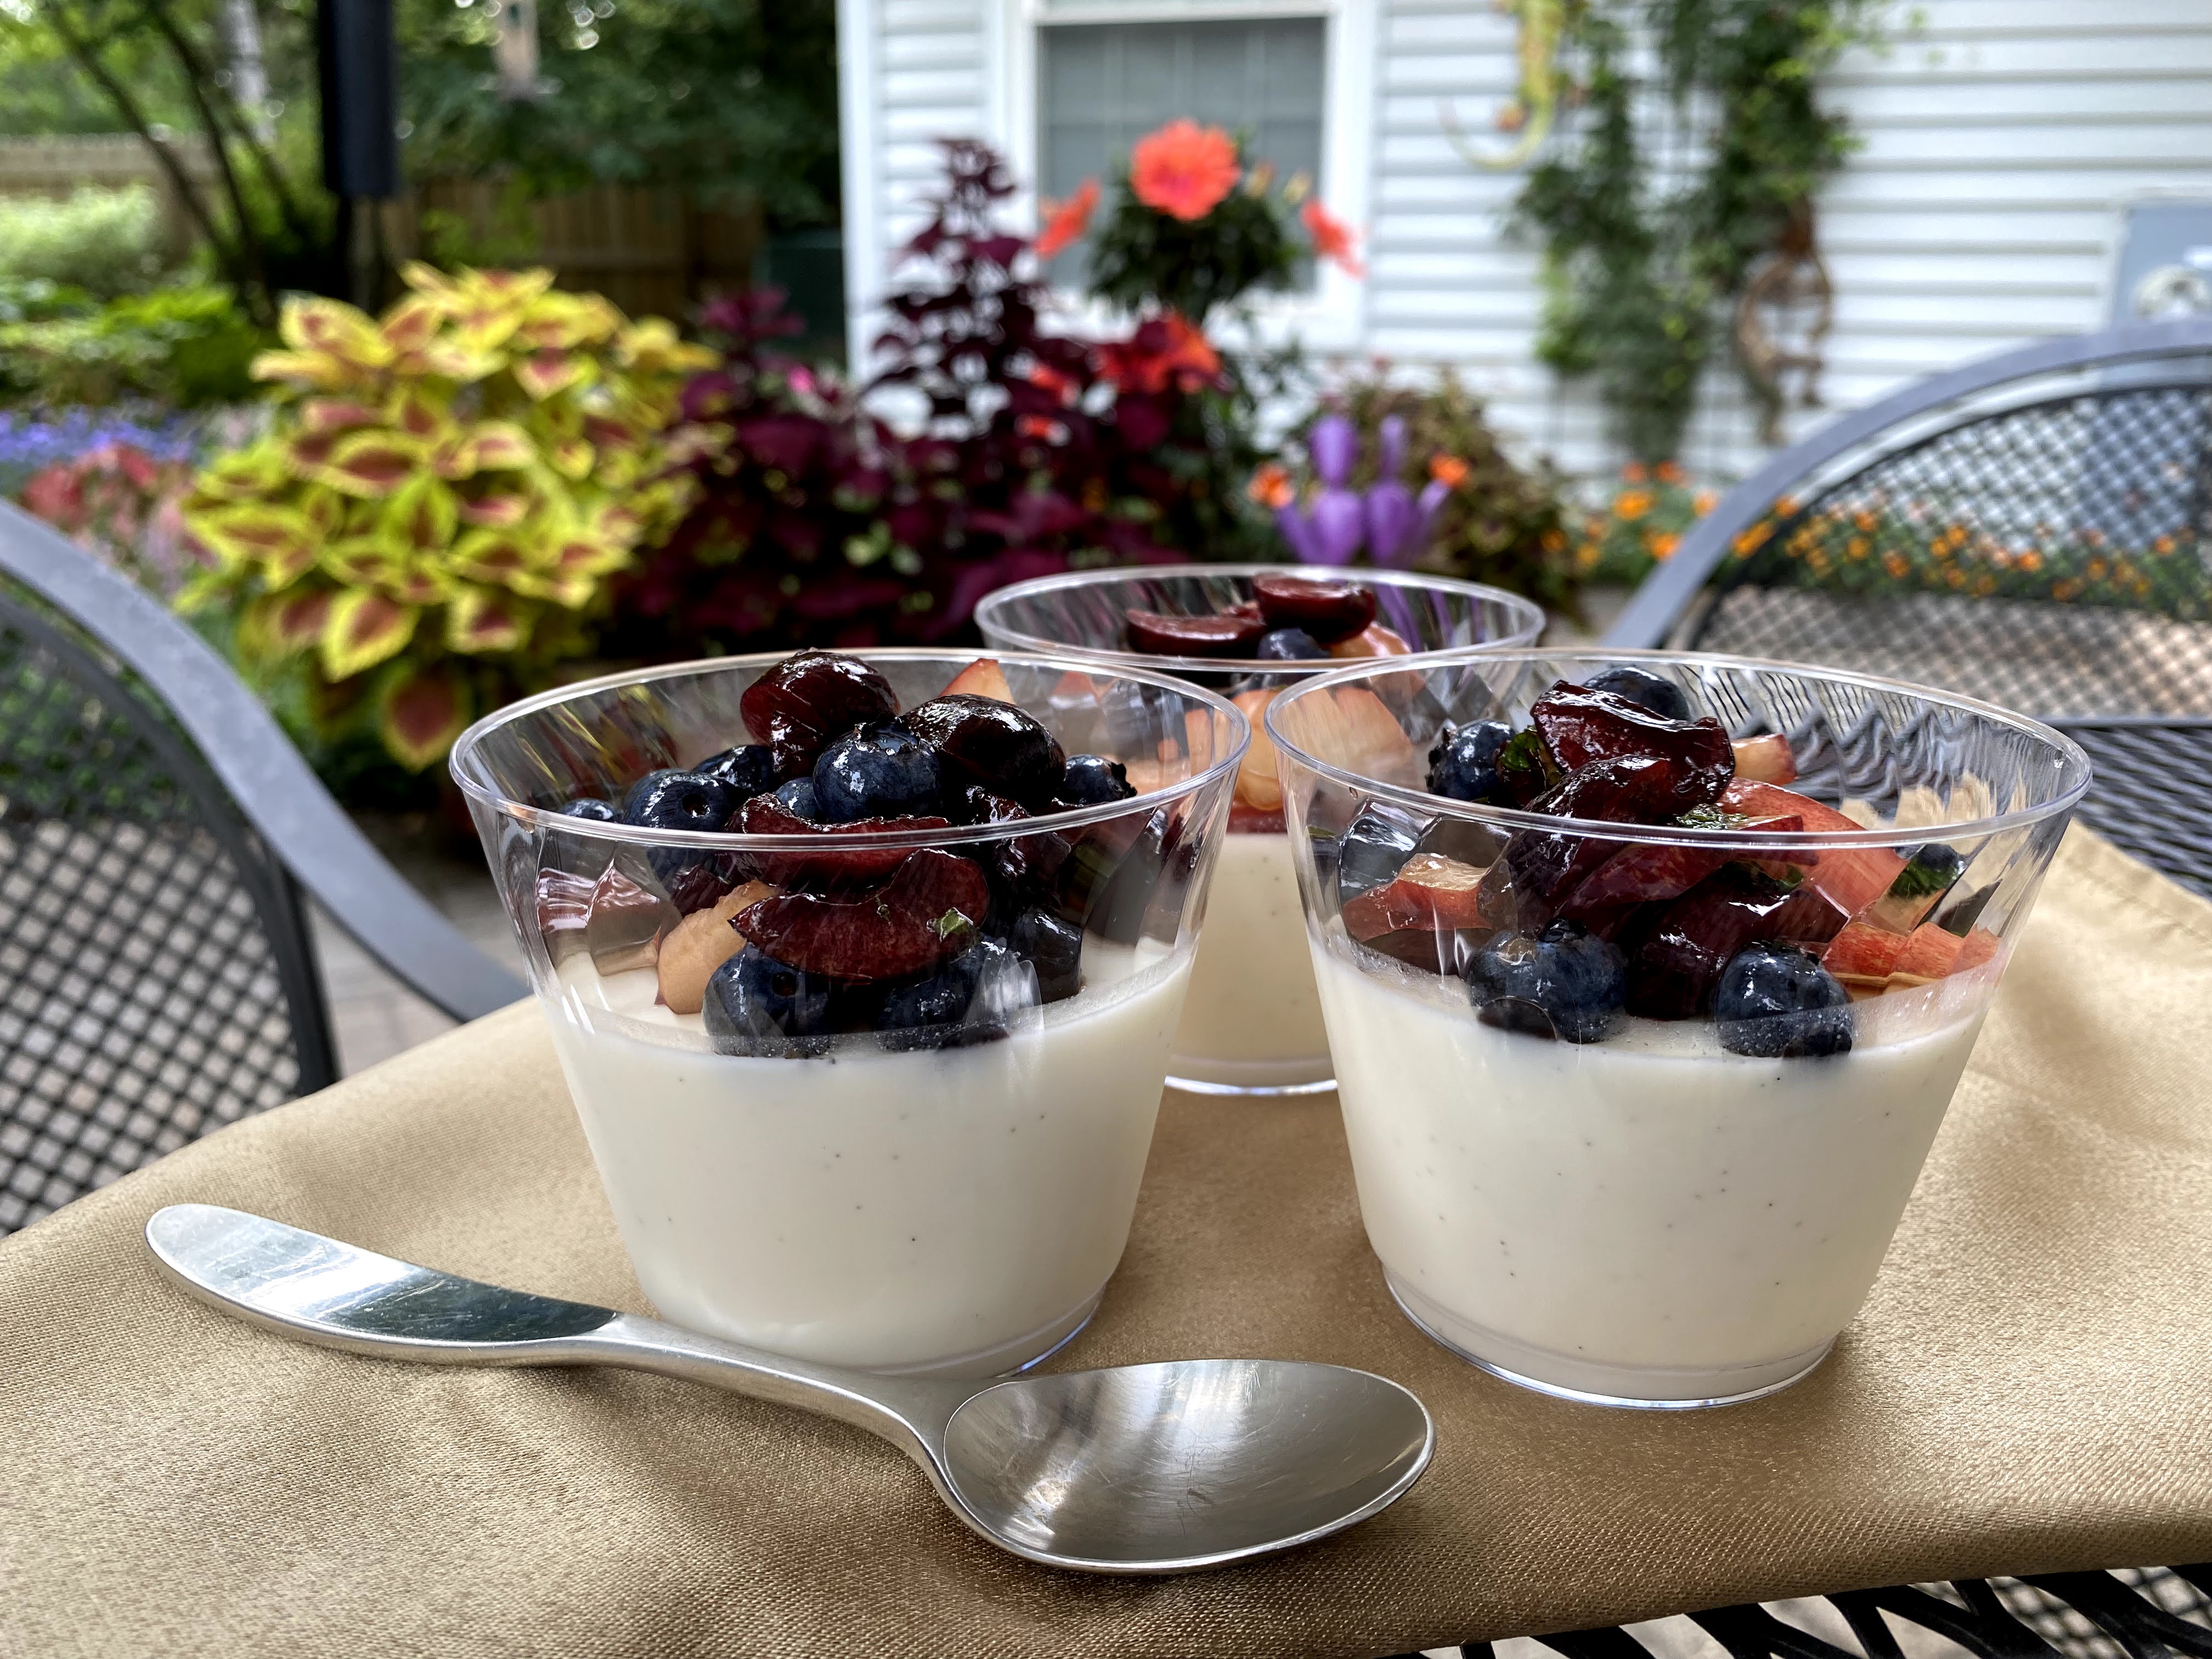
(1253, 1020)
(957, 1210)
(1648, 1218)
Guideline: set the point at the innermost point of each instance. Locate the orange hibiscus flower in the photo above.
(1183, 170)
(1164, 351)
(1065, 222)
(1332, 238)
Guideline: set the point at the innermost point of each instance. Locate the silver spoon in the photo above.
(1139, 1469)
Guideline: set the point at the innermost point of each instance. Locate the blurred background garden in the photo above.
(428, 352)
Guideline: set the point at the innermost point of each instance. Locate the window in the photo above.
(1101, 87)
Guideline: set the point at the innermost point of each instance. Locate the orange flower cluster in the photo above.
(1065, 222)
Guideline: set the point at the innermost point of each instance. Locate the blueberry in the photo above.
(750, 769)
(1777, 1001)
(1054, 946)
(880, 771)
(672, 799)
(1464, 762)
(1640, 685)
(756, 1005)
(968, 1000)
(1289, 645)
(590, 807)
(1092, 780)
(1565, 982)
(1374, 844)
(798, 796)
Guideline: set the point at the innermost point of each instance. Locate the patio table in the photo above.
(2029, 1389)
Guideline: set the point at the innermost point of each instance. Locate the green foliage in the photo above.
(1244, 244)
(186, 346)
(737, 99)
(429, 525)
(105, 241)
(1502, 523)
(1635, 275)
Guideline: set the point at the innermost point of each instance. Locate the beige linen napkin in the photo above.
(2030, 1388)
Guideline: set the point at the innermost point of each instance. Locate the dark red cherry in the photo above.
(1329, 611)
(810, 699)
(1677, 958)
(926, 914)
(1162, 635)
(1581, 725)
(764, 815)
(981, 740)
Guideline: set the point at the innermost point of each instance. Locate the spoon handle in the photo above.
(319, 1290)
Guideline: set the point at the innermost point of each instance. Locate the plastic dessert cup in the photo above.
(931, 1199)
(1253, 1022)
(1634, 1107)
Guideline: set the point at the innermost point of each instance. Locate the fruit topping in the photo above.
(1463, 764)
(623, 923)
(1460, 838)
(798, 799)
(1372, 640)
(1581, 725)
(1353, 728)
(701, 943)
(1159, 635)
(1930, 953)
(756, 1005)
(1258, 784)
(1643, 873)
(1430, 891)
(750, 769)
(1450, 954)
(981, 740)
(982, 677)
(1851, 878)
(590, 808)
(1978, 947)
(1765, 760)
(831, 867)
(810, 699)
(1093, 779)
(879, 770)
(674, 799)
(1052, 946)
(1775, 1001)
(1525, 768)
(929, 911)
(1930, 871)
(971, 1000)
(1641, 686)
(1862, 955)
(1326, 611)
(1564, 982)
(1630, 789)
(1108, 879)
(1373, 848)
(1676, 953)
(1290, 645)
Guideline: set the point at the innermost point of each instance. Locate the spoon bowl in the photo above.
(1156, 1468)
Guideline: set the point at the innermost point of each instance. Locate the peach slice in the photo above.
(701, 943)
(1765, 760)
(1354, 729)
(1430, 891)
(1258, 785)
(1373, 640)
(982, 677)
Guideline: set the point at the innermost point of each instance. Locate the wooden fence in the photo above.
(647, 248)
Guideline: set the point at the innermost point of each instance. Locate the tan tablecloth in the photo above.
(2030, 1388)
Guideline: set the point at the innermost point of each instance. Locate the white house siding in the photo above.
(2001, 139)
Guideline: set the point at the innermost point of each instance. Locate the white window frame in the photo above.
(1330, 317)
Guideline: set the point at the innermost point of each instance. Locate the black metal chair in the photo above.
(2035, 528)
(156, 831)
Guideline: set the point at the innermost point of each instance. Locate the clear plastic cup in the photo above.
(1253, 1022)
(854, 1163)
(1634, 1108)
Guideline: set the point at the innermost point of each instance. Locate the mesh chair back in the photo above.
(156, 977)
(2046, 544)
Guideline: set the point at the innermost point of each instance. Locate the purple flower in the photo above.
(1332, 530)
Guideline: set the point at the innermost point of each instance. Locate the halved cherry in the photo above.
(810, 699)
(1156, 633)
(1580, 725)
(1430, 891)
(927, 913)
(764, 815)
(981, 740)
(1678, 955)
(1327, 611)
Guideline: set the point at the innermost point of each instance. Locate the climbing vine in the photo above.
(1698, 149)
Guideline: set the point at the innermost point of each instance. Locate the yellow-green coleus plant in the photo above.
(433, 517)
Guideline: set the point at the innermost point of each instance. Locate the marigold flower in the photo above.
(2030, 559)
(1894, 562)
(1333, 239)
(1065, 222)
(1631, 505)
(1271, 487)
(1662, 546)
(1703, 502)
(1668, 472)
(2163, 544)
(1449, 470)
(1634, 473)
(1183, 170)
